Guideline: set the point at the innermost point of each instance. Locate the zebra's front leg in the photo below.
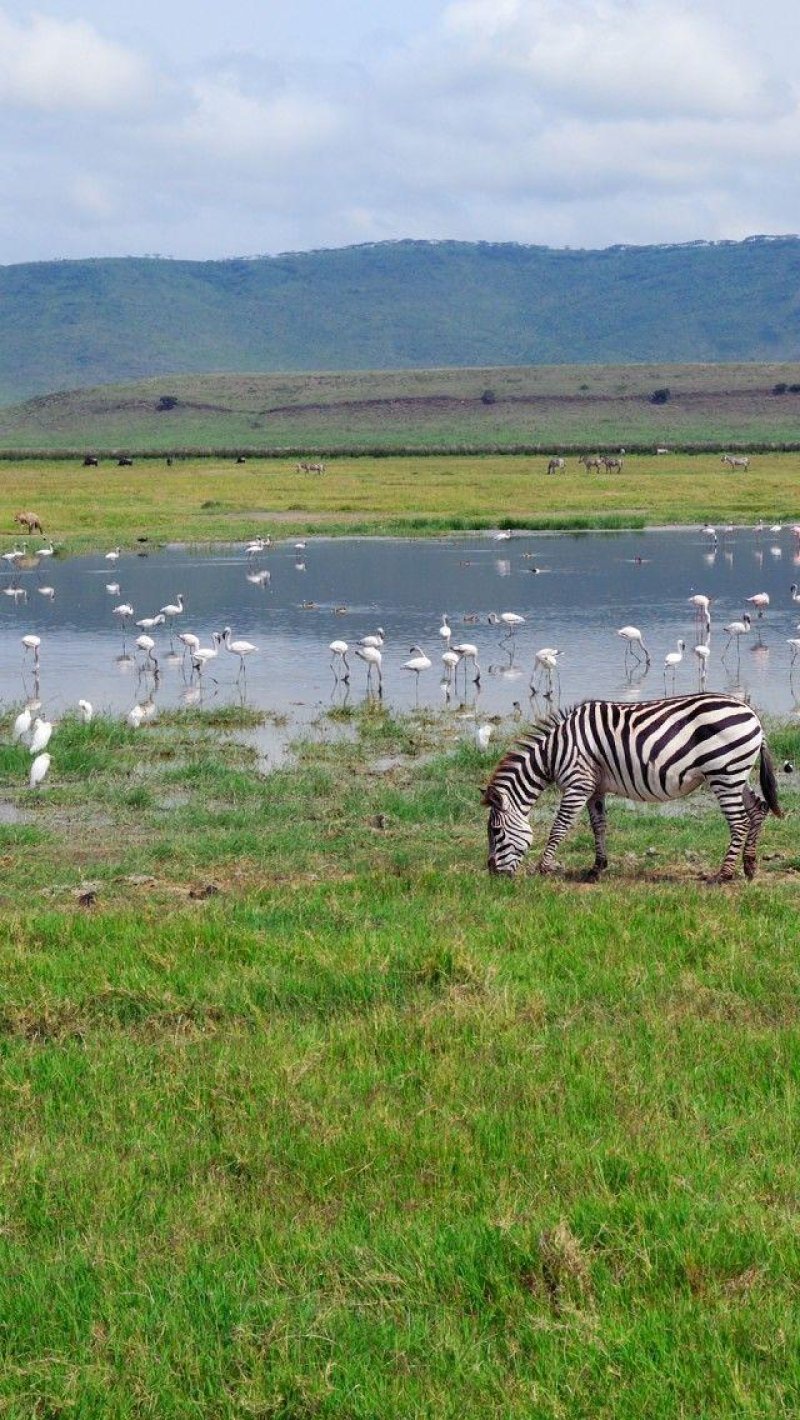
(572, 801)
(731, 801)
(596, 807)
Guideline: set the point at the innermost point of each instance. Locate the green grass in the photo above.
(202, 500)
(545, 407)
(365, 1133)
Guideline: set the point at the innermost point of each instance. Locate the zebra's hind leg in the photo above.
(731, 800)
(596, 807)
(757, 812)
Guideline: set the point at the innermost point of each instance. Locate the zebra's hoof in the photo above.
(715, 879)
(592, 875)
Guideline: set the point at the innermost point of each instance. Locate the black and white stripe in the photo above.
(652, 751)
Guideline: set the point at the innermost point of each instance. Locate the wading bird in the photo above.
(39, 769)
(339, 651)
(672, 660)
(633, 636)
(42, 730)
(372, 658)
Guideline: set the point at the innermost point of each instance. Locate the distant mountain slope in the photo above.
(396, 305)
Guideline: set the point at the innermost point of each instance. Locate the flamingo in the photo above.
(339, 657)
(48, 592)
(146, 643)
(545, 662)
(760, 600)
(112, 588)
(736, 629)
(445, 630)
(32, 643)
(702, 613)
(237, 648)
(466, 651)
(114, 554)
(633, 636)
(372, 659)
(702, 652)
(375, 641)
(450, 660)
(171, 610)
(793, 641)
(419, 662)
(672, 660)
(511, 620)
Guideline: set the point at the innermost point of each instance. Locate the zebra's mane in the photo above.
(539, 730)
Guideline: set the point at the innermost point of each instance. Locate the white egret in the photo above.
(135, 716)
(39, 769)
(42, 730)
(22, 724)
(86, 710)
(483, 734)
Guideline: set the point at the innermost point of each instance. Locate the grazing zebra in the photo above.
(736, 461)
(611, 463)
(590, 462)
(556, 465)
(654, 751)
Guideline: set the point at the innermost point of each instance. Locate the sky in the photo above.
(254, 128)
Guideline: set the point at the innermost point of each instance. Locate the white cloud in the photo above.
(51, 64)
(646, 58)
(226, 122)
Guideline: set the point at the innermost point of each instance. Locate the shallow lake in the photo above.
(574, 591)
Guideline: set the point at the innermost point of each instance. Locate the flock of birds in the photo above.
(455, 654)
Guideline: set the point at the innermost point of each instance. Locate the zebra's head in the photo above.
(510, 834)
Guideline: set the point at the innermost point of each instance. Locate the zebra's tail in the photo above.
(769, 784)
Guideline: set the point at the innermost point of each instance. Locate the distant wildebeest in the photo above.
(555, 465)
(31, 521)
(241, 458)
(90, 461)
(589, 462)
(736, 461)
(125, 462)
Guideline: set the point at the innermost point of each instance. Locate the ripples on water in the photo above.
(574, 591)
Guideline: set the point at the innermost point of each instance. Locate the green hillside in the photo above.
(396, 305)
(552, 406)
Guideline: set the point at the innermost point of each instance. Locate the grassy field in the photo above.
(306, 1116)
(546, 406)
(215, 499)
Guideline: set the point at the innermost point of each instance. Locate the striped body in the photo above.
(652, 752)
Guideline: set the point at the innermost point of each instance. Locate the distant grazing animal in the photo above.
(241, 459)
(662, 450)
(653, 752)
(590, 462)
(555, 465)
(736, 461)
(90, 461)
(31, 521)
(125, 463)
(611, 463)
